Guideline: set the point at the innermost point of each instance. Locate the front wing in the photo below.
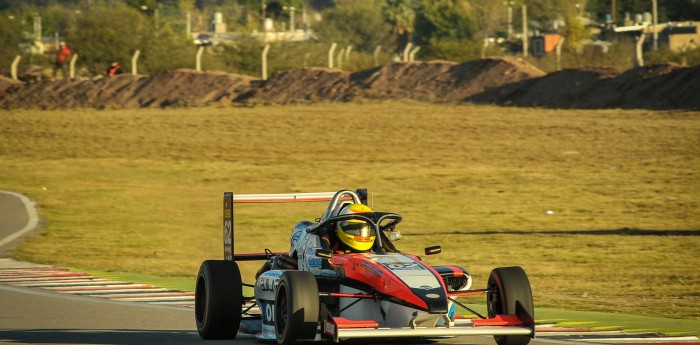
(339, 328)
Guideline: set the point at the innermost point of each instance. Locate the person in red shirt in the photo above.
(62, 57)
(114, 69)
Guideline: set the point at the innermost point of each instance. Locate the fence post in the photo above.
(376, 55)
(73, 59)
(134, 61)
(198, 59)
(412, 54)
(13, 69)
(264, 61)
(639, 57)
(330, 55)
(559, 45)
(340, 58)
(404, 58)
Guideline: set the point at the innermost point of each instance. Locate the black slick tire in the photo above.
(218, 299)
(510, 294)
(296, 307)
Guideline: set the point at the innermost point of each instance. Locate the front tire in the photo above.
(510, 294)
(218, 299)
(296, 307)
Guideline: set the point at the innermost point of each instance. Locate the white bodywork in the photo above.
(265, 298)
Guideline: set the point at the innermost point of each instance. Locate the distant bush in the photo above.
(663, 55)
(452, 50)
(361, 27)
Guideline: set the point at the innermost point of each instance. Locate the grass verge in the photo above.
(601, 208)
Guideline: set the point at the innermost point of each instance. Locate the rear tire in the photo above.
(510, 294)
(218, 299)
(296, 307)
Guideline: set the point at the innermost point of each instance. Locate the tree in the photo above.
(361, 26)
(401, 15)
(446, 19)
(575, 32)
(103, 34)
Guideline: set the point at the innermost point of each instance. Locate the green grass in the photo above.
(139, 191)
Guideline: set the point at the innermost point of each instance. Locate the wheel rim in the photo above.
(494, 301)
(281, 311)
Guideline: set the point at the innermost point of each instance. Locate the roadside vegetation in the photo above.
(368, 33)
(601, 208)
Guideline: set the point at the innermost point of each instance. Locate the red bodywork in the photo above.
(363, 269)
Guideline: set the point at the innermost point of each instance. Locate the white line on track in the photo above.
(82, 284)
(33, 218)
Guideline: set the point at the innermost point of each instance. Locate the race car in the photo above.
(320, 292)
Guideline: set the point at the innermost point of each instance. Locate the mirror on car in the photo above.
(394, 235)
(324, 253)
(433, 250)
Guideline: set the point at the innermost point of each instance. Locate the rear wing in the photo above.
(359, 195)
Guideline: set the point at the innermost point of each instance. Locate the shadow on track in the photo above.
(110, 336)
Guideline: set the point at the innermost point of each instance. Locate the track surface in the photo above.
(51, 305)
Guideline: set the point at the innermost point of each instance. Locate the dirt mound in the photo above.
(176, 88)
(7, 82)
(424, 81)
(188, 88)
(34, 73)
(567, 88)
(312, 84)
(440, 80)
(666, 86)
(505, 81)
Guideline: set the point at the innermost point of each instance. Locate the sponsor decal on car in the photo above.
(295, 237)
(315, 262)
(369, 267)
(400, 266)
(268, 282)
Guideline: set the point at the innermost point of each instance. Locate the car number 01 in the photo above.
(269, 314)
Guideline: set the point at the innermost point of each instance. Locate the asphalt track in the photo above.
(35, 316)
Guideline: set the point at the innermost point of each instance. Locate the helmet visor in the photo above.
(361, 229)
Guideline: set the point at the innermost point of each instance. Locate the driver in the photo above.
(353, 235)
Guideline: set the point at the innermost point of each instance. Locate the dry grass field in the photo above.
(140, 190)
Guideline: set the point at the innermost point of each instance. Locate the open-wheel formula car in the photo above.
(321, 291)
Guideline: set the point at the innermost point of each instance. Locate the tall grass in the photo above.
(140, 190)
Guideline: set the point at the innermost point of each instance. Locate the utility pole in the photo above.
(37, 27)
(291, 19)
(510, 20)
(525, 40)
(262, 14)
(655, 17)
(189, 25)
(613, 11)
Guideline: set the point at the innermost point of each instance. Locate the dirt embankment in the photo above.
(503, 81)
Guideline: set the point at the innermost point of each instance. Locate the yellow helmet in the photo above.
(356, 233)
